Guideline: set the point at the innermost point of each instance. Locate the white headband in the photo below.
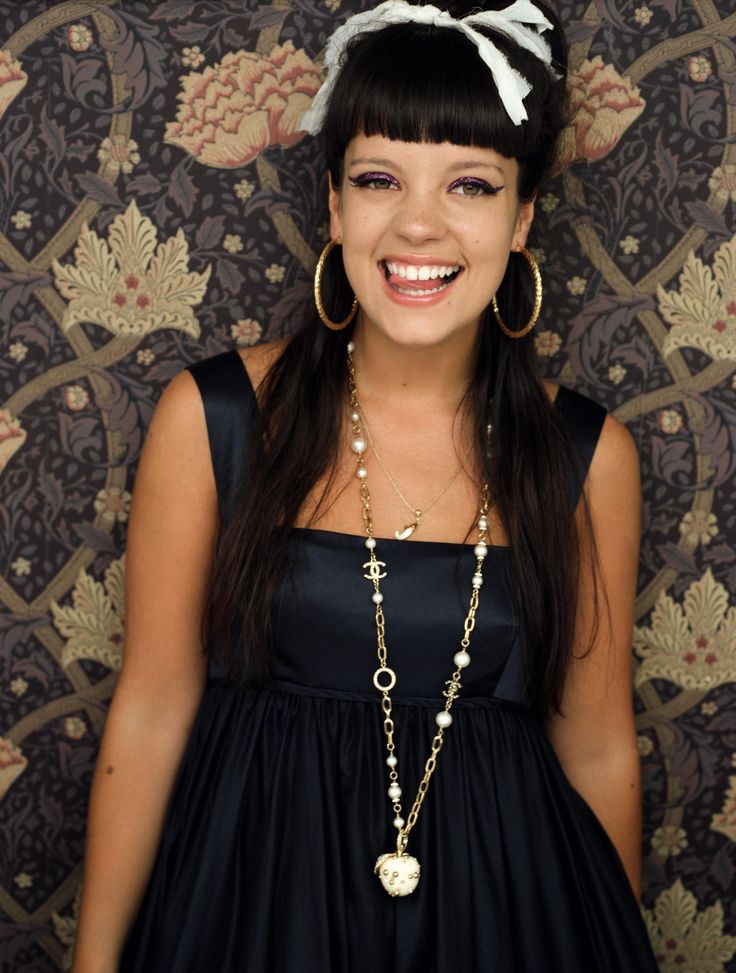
(512, 86)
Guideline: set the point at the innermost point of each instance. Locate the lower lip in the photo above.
(417, 297)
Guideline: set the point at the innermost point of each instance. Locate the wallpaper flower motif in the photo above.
(603, 105)
(94, 624)
(13, 79)
(12, 765)
(131, 286)
(692, 645)
(12, 437)
(685, 939)
(230, 112)
(702, 311)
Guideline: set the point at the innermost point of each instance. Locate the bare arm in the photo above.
(595, 740)
(170, 547)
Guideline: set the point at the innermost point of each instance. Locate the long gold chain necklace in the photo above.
(398, 871)
(402, 535)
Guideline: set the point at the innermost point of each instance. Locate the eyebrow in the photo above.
(468, 164)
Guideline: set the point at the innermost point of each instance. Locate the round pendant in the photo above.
(399, 874)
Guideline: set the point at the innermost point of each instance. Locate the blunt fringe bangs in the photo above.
(420, 83)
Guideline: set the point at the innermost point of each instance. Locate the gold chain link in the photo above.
(374, 573)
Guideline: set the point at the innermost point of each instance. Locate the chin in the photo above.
(421, 332)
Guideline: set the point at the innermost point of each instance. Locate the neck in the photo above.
(437, 375)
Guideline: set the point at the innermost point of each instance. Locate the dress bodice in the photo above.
(323, 617)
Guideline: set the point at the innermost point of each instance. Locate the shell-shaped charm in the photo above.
(399, 874)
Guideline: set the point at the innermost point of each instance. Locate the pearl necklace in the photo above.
(398, 871)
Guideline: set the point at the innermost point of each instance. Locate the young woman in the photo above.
(375, 711)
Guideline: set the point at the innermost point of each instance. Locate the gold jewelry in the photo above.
(402, 535)
(332, 325)
(399, 872)
(537, 299)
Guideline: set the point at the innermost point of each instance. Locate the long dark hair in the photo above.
(420, 83)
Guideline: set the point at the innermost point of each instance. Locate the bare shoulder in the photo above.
(616, 460)
(259, 359)
(551, 388)
(178, 431)
(613, 484)
(175, 468)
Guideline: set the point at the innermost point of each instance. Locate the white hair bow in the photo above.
(512, 86)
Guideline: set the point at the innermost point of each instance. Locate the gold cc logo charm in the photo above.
(374, 570)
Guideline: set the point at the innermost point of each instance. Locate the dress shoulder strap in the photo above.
(584, 419)
(231, 412)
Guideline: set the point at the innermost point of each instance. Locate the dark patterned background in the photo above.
(154, 210)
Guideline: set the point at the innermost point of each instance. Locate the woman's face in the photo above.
(426, 232)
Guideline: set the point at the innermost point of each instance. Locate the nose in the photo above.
(418, 218)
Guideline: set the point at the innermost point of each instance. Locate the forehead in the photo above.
(440, 157)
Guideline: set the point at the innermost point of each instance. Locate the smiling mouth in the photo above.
(416, 281)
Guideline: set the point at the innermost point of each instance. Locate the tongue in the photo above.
(419, 285)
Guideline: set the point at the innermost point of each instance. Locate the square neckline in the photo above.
(304, 532)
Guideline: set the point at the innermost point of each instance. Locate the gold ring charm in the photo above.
(537, 299)
(332, 325)
(381, 673)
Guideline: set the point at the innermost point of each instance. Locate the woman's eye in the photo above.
(474, 187)
(373, 180)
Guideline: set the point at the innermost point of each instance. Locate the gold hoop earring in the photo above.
(537, 299)
(332, 325)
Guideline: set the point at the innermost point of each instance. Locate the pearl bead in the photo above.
(377, 597)
(443, 719)
(483, 523)
(398, 822)
(461, 659)
(351, 346)
(358, 446)
(354, 417)
(362, 473)
(392, 760)
(370, 543)
(394, 792)
(477, 580)
(480, 550)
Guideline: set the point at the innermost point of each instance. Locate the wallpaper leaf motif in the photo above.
(685, 939)
(130, 287)
(94, 624)
(703, 310)
(692, 645)
(725, 820)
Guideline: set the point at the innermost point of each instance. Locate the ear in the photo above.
(335, 207)
(523, 224)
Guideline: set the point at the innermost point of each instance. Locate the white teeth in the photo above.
(420, 271)
(424, 293)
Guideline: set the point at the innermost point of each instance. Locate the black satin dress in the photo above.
(280, 809)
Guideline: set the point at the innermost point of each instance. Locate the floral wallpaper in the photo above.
(158, 204)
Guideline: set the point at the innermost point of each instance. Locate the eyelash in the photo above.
(485, 188)
(368, 180)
